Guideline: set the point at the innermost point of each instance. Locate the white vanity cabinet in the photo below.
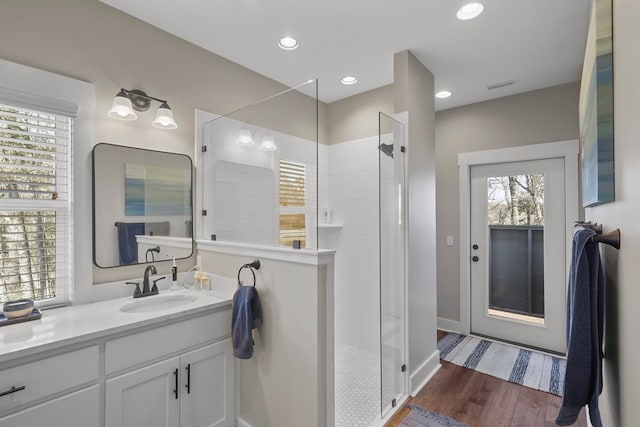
(58, 387)
(192, 386)
(208, 392)
(94, 365)
(145, 397)
(79, 409)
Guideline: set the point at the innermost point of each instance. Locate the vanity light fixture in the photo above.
(164, 118)
(349, 80)
(244, 137)
(469, 11)
(126, 101)
(267, 143)
(288, 43)
(443, 94)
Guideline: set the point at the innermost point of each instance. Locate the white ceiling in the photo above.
(539, 43)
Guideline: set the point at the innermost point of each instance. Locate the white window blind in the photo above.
(35, 178)
(292, 203)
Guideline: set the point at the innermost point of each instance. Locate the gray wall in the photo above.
(619, 400)
(413, 96)
(544, 115)
(90, 41)
(357, 116)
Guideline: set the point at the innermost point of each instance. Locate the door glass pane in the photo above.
(392, 260)
(516, 246)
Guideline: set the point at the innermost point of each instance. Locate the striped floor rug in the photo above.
(525, 367)
(420, 417)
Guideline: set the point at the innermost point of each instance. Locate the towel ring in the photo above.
(255, 264)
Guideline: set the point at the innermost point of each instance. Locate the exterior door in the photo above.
(518, 261)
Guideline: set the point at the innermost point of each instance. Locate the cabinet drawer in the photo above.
(136, 349)
(79, 409)
(49, 376)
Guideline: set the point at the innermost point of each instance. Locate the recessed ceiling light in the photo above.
(288, 43)
(443, 94)
(349, 80)
(470, 11)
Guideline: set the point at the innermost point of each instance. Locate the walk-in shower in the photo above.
(265, 178)
(367, 198)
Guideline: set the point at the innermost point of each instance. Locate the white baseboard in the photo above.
(449, 325)
(423, 373)
(242, 423)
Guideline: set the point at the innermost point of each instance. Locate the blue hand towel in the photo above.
(127, 244)
(246, 315)
(585, 320)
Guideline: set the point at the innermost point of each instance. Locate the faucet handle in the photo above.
(154, 288)
(137, 292)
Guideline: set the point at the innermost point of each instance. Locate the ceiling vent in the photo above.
(502, 84)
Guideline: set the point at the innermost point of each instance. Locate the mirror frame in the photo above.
(93, 202)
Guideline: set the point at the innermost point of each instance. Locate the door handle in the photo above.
(475, 258)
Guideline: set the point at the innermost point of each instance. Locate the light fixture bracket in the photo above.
(140, 100)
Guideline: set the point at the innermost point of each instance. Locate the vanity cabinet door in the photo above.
(149, 396)
(208, 387)
(79, 409)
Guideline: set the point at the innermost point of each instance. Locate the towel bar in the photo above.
(611, 238)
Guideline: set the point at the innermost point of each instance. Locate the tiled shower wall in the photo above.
(353, 200)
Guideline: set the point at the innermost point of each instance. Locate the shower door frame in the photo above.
(387, 409)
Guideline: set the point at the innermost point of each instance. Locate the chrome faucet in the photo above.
(145, 284)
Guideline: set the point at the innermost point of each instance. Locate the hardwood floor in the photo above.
(481, 400)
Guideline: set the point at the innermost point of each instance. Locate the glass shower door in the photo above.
(391, 158)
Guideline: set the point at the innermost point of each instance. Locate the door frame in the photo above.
(568, 150)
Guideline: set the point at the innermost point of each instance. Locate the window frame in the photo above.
(295, 209)
(61, 200)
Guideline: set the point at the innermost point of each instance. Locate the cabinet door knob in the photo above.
(475, 247)
(475, 258)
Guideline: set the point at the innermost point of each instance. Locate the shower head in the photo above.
(386, 149)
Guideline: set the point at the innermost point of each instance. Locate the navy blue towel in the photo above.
(127, 244)
(246, 315)
(585, 320)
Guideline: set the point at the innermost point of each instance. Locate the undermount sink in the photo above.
(157, 303)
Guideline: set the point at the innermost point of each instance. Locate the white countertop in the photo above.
(64, 326)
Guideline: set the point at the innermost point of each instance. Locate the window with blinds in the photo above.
(292, 203)
(35, 212)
